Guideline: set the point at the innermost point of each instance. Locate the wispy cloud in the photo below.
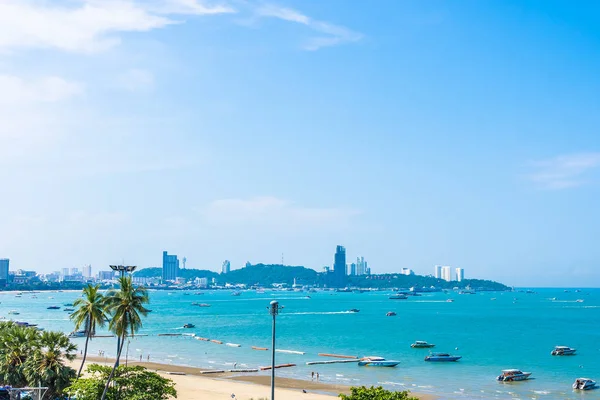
(273, 212)
(91, 25)
(331, 34)
(16, 90)
(565, 171)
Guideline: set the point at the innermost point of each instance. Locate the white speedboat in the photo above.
(421, 344)
(563, 351)
(511, 375)
(76, 334)
(584, 384)
(373, 361)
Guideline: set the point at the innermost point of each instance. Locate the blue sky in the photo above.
(414, 133)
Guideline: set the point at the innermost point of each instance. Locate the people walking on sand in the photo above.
(312, 375)
(317, 377)
(148, 358)
(140, 358)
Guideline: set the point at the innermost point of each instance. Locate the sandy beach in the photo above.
(193, 385)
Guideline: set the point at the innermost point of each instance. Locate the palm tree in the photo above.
(46, 366)
(126, 306)
(16, 345)
(90, 313)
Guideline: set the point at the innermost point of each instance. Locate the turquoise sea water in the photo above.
(516, 330)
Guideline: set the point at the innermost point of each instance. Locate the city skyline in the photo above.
(462, 133)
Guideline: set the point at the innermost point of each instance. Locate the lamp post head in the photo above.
(274, 307)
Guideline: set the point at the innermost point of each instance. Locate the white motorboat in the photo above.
(442, 357)
(584, 384)
(76, 334)
(511, 375)
(421, 344)
(563, 351)
(372, 361)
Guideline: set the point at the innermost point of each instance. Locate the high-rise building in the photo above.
(339, 267)
(106, 275)
(226, 267)
(170, 267)
(437, 272)
(65, 272)
(87, 271)
(4, 262)
(446, 273)
(460, 274)
(361, 266)
(74, 271)
(407, 271)
(353, 269)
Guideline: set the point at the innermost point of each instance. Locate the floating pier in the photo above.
(175, 373)
(244, 370)
(202, 338)
(277, 366)
(216, 341)
(213, 371)
(332, 362)
(336, 355)
(289, 351)
(233, 345)
(169, 334)
(259, 348)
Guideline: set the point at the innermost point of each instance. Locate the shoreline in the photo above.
(190, 383)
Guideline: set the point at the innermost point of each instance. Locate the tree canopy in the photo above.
(376, 393)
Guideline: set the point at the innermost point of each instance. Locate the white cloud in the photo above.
(565, 171)
(90, 26)
(15, 90)
(334, 34)
(275, 213)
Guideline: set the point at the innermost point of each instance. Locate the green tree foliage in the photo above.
(126, 307)
(32, 358)
(89, 312)
(375, 393)
(131, 383)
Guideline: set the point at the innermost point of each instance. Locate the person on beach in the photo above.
(148, 358)
(140, 358)
(312, 375)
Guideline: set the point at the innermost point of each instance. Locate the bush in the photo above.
(375, 393)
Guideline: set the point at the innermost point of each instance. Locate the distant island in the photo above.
(267, 275)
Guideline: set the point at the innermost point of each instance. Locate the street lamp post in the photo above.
(273, 310)
(122, 269)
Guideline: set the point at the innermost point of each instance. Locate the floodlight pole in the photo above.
(273, 310)
(122, 269)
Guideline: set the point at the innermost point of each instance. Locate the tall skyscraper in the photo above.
(339, 267)
(361, 266)
(353, 269)
(87, 271)
(170, 267)
(446, 273)
(74, 271)
(437, 272)
(65, 272)
(226, 267)
(460, 274)
(4, 270)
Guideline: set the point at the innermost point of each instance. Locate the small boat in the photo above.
(203, 305)
(442, 357)
(421, 344)
(399, 296)
(53, 308)
(372, 361)
(353, 310)
(563, 351)
(449, 300)
(189, 326)
(584, 384)
(14, 312)
(237, 293)
(511, 375)
(76, 334)
(68, 304)
(579, 301)
(390, 314)
(68, 309)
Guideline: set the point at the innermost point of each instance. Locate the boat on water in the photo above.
(563, 351)
(76, 334)
(189, 326)
(399, 296)
(14, 312)
(450, 301)
(237, 293)
(584, 384)
(354, 310)
(421, 344)
(68, 304)
(390, 314)
(579, 301)
(442, 357)
(68, 309)
(511, 375)
(53, 308)
(372, 361)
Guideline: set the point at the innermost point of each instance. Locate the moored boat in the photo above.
(442, 357)
(189, 326)
(14, 312)
(53, 308)
(421, 344)
(373, 361)
(353, 310)
(399, 296)
(390, 314)
(584, 384)
(510, 375)
(563, 351)
(76, 334)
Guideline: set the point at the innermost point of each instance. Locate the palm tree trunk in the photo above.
(87, 339)
(112, 373)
